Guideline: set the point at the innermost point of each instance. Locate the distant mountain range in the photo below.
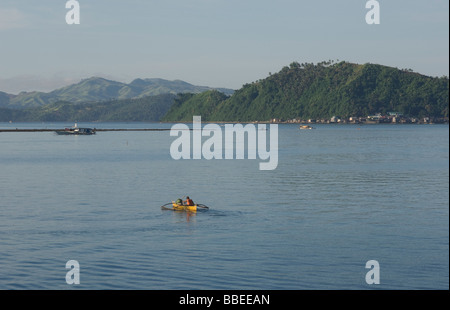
(97, 89)
(298, 91)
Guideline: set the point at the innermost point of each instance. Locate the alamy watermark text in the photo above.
(189, 144)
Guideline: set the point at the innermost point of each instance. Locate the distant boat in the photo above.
(75, 130)
(306, 127)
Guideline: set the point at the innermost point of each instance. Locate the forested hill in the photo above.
(321, 91)
(149, 109)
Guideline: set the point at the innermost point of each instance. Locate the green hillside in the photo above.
(151, 108)
(4, 99)
(187, 105)
(321, 91)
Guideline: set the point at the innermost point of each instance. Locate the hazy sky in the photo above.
(218, 43)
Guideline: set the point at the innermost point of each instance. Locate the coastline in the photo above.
(12, 130)
(54, 130)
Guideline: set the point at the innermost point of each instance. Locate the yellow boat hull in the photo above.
(178, 207)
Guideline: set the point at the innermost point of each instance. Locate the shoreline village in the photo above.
(378, 118)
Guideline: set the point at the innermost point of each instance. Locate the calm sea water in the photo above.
(342, 195)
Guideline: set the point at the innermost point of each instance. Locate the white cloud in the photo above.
(11, 19)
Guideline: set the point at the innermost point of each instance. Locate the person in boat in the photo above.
(179, 201)
(189, 201)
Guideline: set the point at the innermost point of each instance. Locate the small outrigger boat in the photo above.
(306, 127)
(75, 130)
(181, 207)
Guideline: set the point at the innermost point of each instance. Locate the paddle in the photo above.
(164, 206)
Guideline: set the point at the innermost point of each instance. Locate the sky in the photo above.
(216, 43)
